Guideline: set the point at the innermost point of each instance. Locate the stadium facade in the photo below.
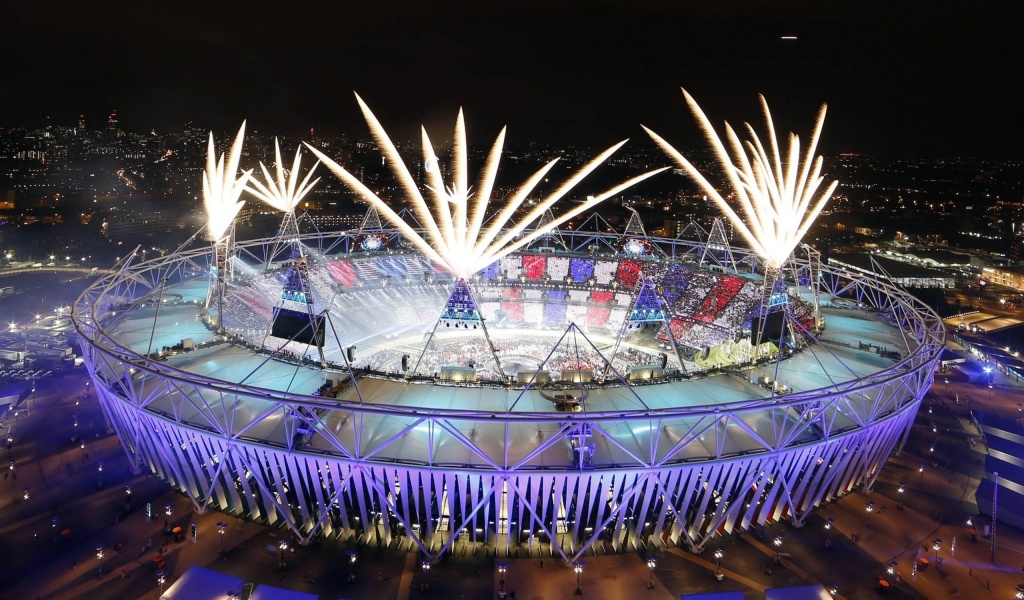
(620, 396)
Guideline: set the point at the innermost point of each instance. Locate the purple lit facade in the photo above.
(414, 460)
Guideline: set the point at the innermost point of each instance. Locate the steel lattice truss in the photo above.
(657, 476)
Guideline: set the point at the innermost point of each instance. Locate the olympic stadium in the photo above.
(584, 391)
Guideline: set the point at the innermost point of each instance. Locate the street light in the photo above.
(221, 528)
(833, 590)
(167, 510)
(870, 508)
(920, 470)
(283, 545)
(891, 567)
(900, 489)
(936, 545)
(99, 556)
(718, 559)
(161, 578)
(352, 554)
(502, 569)
(577, 567)
(828, 531)
(778, 548)
(652, 562)
(24, 494)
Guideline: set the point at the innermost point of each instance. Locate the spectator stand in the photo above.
(647, 309)
(461, 311)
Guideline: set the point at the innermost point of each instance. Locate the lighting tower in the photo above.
(717, 246)
(283, 191)
(778, 198)
(647, 308)
(459, 234)
(221, 192)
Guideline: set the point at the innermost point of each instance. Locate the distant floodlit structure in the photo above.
(582, 389)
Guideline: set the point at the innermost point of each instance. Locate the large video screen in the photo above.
(295, 325)
(768, 329)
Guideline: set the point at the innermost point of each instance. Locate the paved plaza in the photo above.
(73, 507)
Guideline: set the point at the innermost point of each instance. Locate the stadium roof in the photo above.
(392, 406)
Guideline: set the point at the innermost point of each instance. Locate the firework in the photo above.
(283, 192)
(779, 199)
(221, 188)
(453, 216)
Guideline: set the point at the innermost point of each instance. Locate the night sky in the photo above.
(931, 79)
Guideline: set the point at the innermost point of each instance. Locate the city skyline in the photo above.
(900, 80)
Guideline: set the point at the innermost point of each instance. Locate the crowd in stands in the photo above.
(570, 355)
(705, 308)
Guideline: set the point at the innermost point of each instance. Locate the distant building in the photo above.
(334, 221)
(854, 223)
(1011, 277)
(938, 258)
(901, 273)
(1004, 439)
(28, 216)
